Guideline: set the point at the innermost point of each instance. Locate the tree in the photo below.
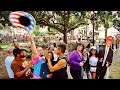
(4, 17)
(116, 21)
(52, 31)
(63, 21)
(1, 26)
(106, 18)
(36, 31)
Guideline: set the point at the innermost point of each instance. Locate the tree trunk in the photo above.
(65, 36)
(96, 25)
(48, 29)
(105, 33)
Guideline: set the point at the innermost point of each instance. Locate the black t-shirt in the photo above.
(44, 71)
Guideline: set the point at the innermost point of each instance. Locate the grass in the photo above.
(115, 70)
(4, 44)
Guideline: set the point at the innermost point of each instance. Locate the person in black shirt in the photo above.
(105, 58)
(58, 68)
(86, 66)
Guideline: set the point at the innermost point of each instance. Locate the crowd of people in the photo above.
(53, 63)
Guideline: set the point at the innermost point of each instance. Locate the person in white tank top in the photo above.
(93, 61)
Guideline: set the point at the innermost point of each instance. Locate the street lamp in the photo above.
(93, 18)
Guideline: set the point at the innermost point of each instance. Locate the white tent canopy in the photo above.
(110, 32)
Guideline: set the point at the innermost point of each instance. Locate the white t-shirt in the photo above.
(8, 62)
(55, 57)
(93, 61)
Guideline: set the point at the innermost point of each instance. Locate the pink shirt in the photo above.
(35, 61)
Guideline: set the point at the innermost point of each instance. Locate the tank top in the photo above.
(61, 73)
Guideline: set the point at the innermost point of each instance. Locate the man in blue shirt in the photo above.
(8, 61)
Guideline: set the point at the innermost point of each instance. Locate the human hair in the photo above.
(60, 39)
(79, 39)
(9, 52)
(104, 40)
(17, 51)
(54, 44)
(37, 47)
(96, 54)
(52, 56)
(50, 47)
(62, 47)
(79, 44)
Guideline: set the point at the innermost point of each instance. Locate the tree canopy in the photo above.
(63, 21)
(66, 21)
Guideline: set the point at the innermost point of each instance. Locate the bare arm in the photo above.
(61, 63)
(33, 48)
(17, 72)
(21, 73)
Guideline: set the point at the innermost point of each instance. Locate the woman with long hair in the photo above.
(86, 66)
(93, 61)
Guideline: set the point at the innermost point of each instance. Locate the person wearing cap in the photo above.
(19, 66)
(8, 61)
(93, 59)
(105, 58)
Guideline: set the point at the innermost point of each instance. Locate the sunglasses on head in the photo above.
(39, 50)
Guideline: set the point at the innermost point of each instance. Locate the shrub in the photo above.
(71, 46)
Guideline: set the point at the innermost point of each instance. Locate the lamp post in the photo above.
(93, 18)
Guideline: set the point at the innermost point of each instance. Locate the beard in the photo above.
(41, 55)
(22, 56)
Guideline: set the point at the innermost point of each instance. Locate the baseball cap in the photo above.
(93, 47)
(109, 38)
(17, 51)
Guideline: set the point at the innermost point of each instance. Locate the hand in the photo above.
(48, 56)
(30, 65)
(81, 63)
(107, 64)
(101, 59)
(49, 75)
(31, 38)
